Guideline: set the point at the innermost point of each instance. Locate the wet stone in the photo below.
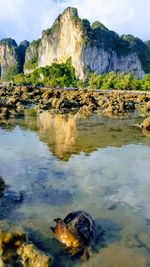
(15, 251)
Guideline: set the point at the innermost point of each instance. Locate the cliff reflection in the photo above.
(71, 134)
(59, 132)
(67, 135)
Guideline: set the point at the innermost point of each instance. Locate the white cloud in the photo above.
(24, 19)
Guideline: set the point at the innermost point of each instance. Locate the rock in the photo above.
(15, 251)
(4, 113)
(16, 100)
(9, 243)
(31, 57)
(141, 98)
(89, 48)
(2, 186)
(1, 263)
(146, 124)
(9, 58)
(22, 50)
(31, 257)
(148, 106)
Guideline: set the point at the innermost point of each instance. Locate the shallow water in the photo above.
(54, 164)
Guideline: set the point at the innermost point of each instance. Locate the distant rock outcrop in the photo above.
(31, 58)
(22, 50)
(91, 48)
(11, 57)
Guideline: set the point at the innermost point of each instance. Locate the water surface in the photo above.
(54, 164)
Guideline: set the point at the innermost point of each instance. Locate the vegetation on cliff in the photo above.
(11, 71)
(63, 75)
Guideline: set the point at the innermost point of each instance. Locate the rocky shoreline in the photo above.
(15, 100)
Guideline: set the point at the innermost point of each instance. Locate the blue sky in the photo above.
(25, 19)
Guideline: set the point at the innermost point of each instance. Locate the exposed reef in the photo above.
(15, 100)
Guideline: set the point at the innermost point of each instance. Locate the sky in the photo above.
(25, 19)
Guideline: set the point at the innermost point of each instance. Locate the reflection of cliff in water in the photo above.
(70, 134)
(59, 132)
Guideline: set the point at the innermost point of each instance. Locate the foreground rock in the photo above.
(30, 256)
(15, 251)
(15, 100)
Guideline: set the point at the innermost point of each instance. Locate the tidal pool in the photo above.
(54, 164)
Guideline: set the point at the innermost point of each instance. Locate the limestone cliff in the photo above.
(31, 57)
(11, 58)
(22, 50)
(90, 47)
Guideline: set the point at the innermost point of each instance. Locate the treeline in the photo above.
(63, 75)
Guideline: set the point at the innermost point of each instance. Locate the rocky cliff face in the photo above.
(92, 48)
(22, 50)
(62, 41)
(31, 57)
(11, 57)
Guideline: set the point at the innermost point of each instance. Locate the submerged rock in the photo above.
(2, 186)
(15, 251)
(76, 231)
(9, 243)
(31, 256)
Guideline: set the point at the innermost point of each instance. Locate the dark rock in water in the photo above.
(113, 206)
(79, 232)
(9, 201)
(2, 186)
(76, 231)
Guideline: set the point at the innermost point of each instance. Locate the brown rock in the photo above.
(14, 251)
(31, 257)
(146, 124)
